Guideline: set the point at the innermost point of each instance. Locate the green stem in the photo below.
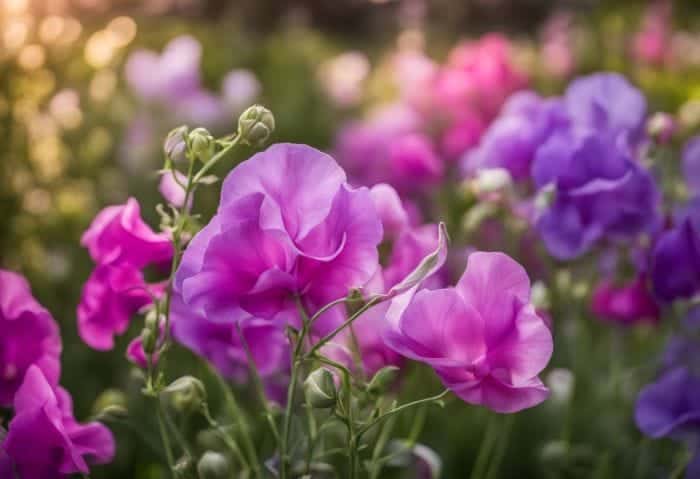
(166, 440)
(485, 448)
(502, 446)
(322, 342)
(215, 159)
(382, 440)
(228, 440)
(401, 408)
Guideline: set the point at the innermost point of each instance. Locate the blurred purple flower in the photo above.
(288, 226)
(119, 235)
(606, 102)
(168, 77)
(483, 337)
(675, 264)
(461, 136)
(111, 296)
(670, 407)
(691, 164)
(630, 303)
(512, 140)
(239, 88)
(414, 162)
(44, 441)
(28, 336)
(598, 192)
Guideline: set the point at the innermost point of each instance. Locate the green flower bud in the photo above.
(213, 465)
(201, 144)
(111, 404)
(255, 125)
(184, 467)
(319, 389)
(187, 394)
(148, 340)
(382, 380)
(175, 143)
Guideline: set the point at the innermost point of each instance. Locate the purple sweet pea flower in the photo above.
(511, 141)
(167, 77)
(599, 192)
(119, 235)
(629, 304)
(606, 102)
(44, 441)
(288, 226)
(675, 263)
(239, 89)
(111, 296)
(691, 164)
(28, 336)
(483, 337)
(221, 343)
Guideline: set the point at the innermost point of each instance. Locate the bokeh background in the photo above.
(80, 129)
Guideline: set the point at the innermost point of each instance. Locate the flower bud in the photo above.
(213, 465)
(110, 404)
(320, 390)
(545, 197)
(183, 468)
(561, 382)
(187, 394)
(175, 143)
(201, 144)
(382, 380)
(661, 127)
(255, 125)
(148, 340)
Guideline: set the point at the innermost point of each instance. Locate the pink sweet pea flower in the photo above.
(483, 337)
(28, 336)
(44, 441)
(119, 235)
(629, 303)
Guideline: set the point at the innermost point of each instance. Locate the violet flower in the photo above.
(288, 226)
(675, 263)
(44, 441)
(691, 164)
(173, 190)
(483, 337)
(28, 336)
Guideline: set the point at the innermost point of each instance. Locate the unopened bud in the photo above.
(187, 394)
(148, 340)
(110, 404)
(183, 468)
(213, 465)
(382, 380)
(255, 125)
(545, 197)
(661, 127)
(201, 144)
(561, 382)
(320, 390)
(175, 143)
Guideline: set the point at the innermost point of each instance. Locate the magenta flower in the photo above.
(173, 189)
(630, 303)
(483, 337)
(288, 226)
(119, 235)
(28, 336)
(111, 296)
(44, 441)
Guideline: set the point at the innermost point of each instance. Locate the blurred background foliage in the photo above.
(69, 146)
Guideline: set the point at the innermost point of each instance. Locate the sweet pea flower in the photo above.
(606, 102)
(598, 192)
(675, 263)
(670, 407)
(28, 336)
(240, 88)
(222, 344)
(652, 43)
(483, 337)
(288, 226)
(512, 140)
(629, 303)
(44, 441)
(119, 235)
(172, 188)
(111, 296)
(414, 162)
(691, 164)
